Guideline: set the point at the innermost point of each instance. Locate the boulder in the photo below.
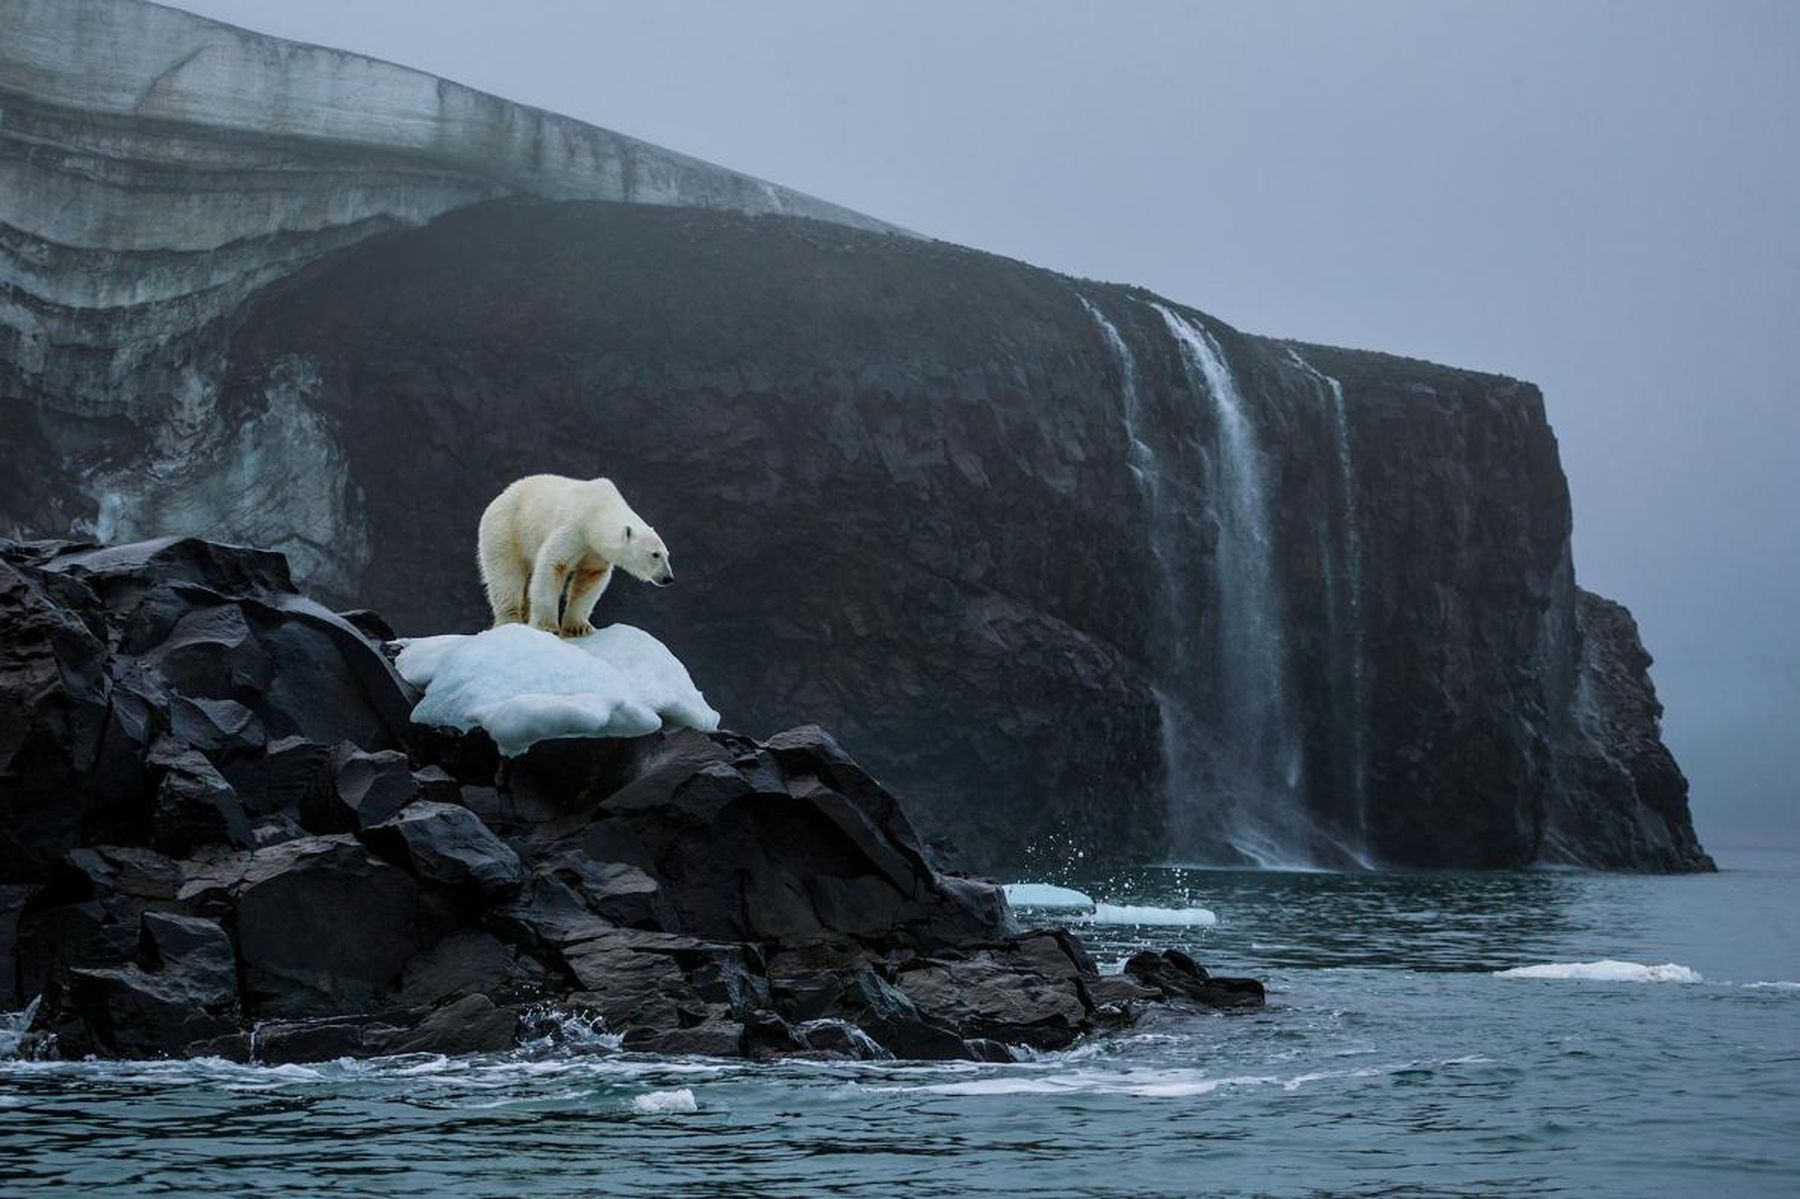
(182, 989)
(998, 994)
(324, 926)
(467, 962)
(194, 805)
(472, 1024)
(365, 790)
(1174, 975)
(443, 843)
(285, 778)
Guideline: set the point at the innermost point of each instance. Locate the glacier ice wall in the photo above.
(159, 168)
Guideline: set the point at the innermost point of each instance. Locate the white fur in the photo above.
(547, 534)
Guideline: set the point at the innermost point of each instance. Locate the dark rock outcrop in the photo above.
(299, 874)
(862, 447)
(1622, 801)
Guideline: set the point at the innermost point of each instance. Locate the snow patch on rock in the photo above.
(524, 685)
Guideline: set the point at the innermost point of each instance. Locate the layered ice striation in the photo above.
(160, 168)
(524, 685)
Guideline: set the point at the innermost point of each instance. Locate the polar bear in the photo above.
(547, 548)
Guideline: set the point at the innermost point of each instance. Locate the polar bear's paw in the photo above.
(575, 630)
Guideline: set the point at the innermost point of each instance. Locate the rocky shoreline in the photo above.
(221, 835)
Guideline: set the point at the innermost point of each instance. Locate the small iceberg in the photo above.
(1045, 895)
(1606, 971)
(524, 685)
(1115, 913)
(664, 1103)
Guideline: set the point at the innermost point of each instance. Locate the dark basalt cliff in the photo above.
(220, 835)
(906, 492)
(1071, 567)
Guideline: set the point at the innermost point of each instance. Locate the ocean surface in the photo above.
(1645, 1042)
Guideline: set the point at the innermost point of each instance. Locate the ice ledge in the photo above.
(130, 58)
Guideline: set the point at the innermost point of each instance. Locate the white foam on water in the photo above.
(1605, 971)
(1153, 1083)
(662, 1103)
(582, 1031)
(1045, 895)
(1773, 986)
(13, 1026)
(1114, 913)
(524, 685)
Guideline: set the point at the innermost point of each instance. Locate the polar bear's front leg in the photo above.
(590, 583)
(556, 557)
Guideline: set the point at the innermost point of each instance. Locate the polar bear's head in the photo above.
(642, 555)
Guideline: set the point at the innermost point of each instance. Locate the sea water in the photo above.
(1561, 1033)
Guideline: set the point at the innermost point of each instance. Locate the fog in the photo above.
(1601, 198)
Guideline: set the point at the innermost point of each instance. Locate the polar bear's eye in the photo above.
(656, 553)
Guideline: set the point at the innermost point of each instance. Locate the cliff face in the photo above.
(1224, 598)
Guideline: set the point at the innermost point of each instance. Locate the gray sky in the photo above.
(1603, 198)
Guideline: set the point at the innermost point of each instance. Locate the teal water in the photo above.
(1391, 1060)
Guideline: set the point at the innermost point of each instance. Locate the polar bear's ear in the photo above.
(628, 532)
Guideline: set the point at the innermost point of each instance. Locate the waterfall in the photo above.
(1231, 741)
(1256, 803)
(1171, 637)
(1146, 468)
(1350, 676)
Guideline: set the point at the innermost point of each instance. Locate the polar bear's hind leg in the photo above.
(505, 584)
(504, 577)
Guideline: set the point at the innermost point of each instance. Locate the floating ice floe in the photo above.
(662, 1103)
(524, 685)
(1606, 971)
(1114, 913)
(1045, 895)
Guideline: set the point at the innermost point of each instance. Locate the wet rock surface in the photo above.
(223, 837)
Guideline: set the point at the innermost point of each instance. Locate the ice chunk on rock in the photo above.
(524, 685)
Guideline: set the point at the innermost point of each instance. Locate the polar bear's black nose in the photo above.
(665, 578)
